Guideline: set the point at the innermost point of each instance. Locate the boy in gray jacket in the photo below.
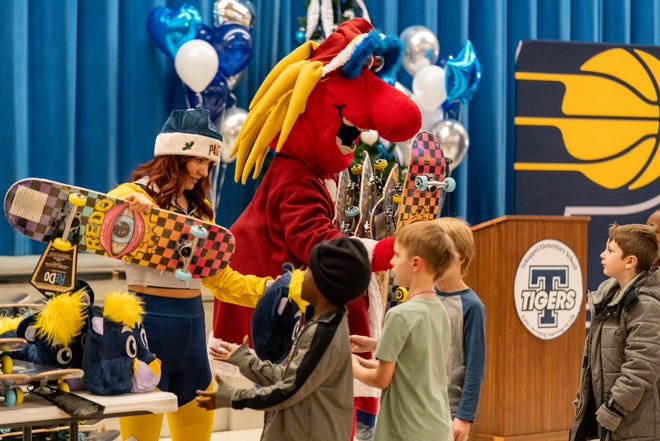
(310, 395)
(619, 396)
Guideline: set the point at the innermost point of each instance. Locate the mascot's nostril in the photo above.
(348, 135)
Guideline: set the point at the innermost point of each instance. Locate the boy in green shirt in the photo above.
(411, 355)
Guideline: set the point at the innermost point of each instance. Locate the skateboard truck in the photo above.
(187, 251)
(423, 182)
(63, 243)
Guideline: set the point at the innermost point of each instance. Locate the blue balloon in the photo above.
(462, 74)
(214, 97)
(171, 28)
(233, 43)
(205, 33)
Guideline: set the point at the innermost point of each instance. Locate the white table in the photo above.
(36, 411)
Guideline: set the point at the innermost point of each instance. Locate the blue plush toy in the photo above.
(117, 358)
(56, 332)
(276, 319)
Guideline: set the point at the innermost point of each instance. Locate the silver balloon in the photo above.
(230, 125)
(421, 48)
(233, 11)
(453, 138)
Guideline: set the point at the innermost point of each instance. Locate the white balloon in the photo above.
(196, 63)
(230, 126)
(429, 87)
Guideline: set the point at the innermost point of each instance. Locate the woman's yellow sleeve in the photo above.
(123, 190)
(233, 287)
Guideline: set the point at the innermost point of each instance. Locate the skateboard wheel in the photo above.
(421, 182)
(183, 275)
(63, 386)
(7, 364)
(19, 395)
(352, 211)
(356, 169)
(380, 164)
(77, 199)
(10, 398)
(199, 231)
(61, 244)
(400, 294)
(451, 184)
(397, 198)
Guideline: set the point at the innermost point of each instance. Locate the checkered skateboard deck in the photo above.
(422, 192)
(105, 226)
(426, 160)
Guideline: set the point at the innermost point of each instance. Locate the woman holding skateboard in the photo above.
(176, 179)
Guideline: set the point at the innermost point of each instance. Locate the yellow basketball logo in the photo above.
(610, 122)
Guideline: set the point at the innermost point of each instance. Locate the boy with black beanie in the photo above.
(310, 395)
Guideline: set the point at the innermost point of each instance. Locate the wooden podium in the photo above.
(530, 383)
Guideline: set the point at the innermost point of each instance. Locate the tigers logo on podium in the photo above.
(587, 134)
(548, 289)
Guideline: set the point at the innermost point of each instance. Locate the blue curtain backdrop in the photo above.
(85, 90)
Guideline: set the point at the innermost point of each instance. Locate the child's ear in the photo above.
(416, 262)
(631, 261)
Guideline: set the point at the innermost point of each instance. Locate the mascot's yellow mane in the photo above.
(62, 318)
(275, 108)
(124, 308)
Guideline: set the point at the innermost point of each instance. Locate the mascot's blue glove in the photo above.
(276, 319)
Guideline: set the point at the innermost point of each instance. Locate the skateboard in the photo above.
(10, 388)
(19, 309)
(422, 191)
(426, 180)
(50, 384)
(366, 197)
(10, 344)
(346, 209)
(384, 213)
(70, 217)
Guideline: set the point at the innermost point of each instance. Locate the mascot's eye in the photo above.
(377, 64)
(131, 346)
(64, 356)
(143, 336)
(374, 63)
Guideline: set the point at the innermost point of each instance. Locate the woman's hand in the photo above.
(138, 202)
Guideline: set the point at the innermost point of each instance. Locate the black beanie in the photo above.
(341, 269)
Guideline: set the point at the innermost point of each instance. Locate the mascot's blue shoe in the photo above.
(276, 320)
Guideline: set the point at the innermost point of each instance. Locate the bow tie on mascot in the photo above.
(311, 109)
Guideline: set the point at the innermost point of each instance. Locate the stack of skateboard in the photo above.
(374, 206)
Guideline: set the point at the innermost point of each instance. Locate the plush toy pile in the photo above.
(109, 343)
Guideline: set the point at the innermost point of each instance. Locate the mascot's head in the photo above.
(117, 358)
(316, 101)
